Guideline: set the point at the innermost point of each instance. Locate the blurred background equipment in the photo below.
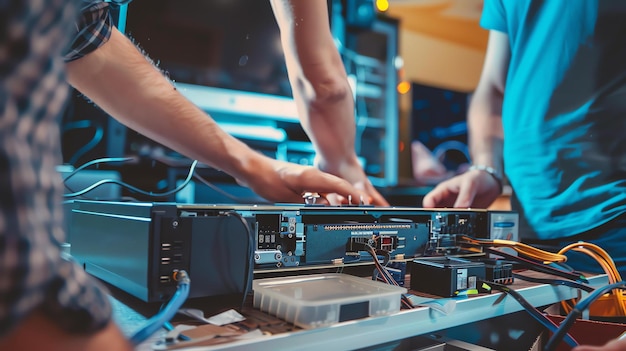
(226, 57)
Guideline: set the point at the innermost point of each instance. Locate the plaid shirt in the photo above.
(33, 91)
(93, 26)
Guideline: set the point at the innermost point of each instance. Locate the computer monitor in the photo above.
(224, 55)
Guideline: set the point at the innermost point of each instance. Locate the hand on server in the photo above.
(475, 189)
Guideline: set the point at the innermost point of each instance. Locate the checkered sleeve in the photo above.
(33, 92)
(93, 28)
(75, 300)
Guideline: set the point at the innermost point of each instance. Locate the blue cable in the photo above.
(577, 311)
(169, 327)
(97, 137)
(538, 316)
(161, 318)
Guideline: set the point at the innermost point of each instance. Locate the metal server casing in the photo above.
(136, 247)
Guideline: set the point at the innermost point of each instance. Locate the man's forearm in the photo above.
(330, 124)
(319, 82)
(485, 113)
(119, 79)
(485, 130)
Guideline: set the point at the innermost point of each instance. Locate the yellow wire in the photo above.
(608, 265)
(612, 271)
(594, 251)
(524, 249)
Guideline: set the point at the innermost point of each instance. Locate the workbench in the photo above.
(368, 332)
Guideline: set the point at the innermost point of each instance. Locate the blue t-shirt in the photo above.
(564, 111)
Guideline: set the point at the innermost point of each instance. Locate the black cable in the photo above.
(248, 276)
(97, 137)
(382, 270)
(98, 161)
(384, 273)
(537, 266)
(386, 256)
(217, 189)
(540, 317)
(91, 163)
(569, 283)
(577, 311)
(135, 189)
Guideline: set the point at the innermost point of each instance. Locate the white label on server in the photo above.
(471, 282)
(461, 278)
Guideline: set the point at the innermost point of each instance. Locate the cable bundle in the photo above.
(383, 273)
(610, 304)
(607, 301)
(577, 310)
(521, 248)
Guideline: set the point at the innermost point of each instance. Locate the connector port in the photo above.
(166, 246)
(378, 242)
(387, 243)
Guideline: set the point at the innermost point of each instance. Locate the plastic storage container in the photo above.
(318, 300)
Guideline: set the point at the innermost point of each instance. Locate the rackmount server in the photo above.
(137, 246)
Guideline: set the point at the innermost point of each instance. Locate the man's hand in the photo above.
(281, 181)
(353, 173)
(474, 188)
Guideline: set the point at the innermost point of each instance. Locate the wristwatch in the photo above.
(492, 171)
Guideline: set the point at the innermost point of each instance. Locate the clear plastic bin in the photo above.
(318, 300)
